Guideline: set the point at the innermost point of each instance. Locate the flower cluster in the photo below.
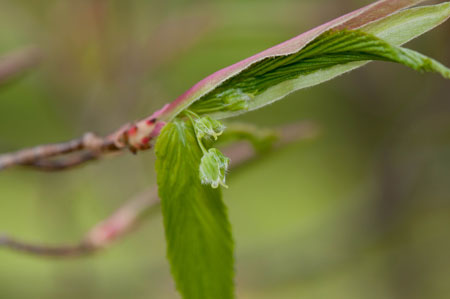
(213, 168)
(208, 127)
(213, 165)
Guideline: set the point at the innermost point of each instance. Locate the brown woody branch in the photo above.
(100, 236)
(37, 156)
(62, 156)
(15, 63)
(135, 137)
(65, 162)
(129, 215)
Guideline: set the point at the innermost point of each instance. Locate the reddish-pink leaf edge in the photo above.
(353, 20)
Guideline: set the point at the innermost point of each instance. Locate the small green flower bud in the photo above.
(213, 168)
(208, 127)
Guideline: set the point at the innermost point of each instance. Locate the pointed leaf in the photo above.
(378, 19)
(330, 49)
(356, 19)
(199, 243)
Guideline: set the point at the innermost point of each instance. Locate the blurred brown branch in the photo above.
(65, 162)
(131, 212)
(14, 63)
(119, 223)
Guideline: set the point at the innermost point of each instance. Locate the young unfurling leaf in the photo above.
(231, 99)
(255, 81)
(330, 49)
(199, 243)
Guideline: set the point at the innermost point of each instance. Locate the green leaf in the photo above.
(330, 54)
(199, 242)
(408, 24)
(357, 19)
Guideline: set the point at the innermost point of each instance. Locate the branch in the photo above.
(35, 155)
(128, 216)
(65, 162)
(57, 251)
(100, 236)
(127, 136)
(14, 63)
(135, 137)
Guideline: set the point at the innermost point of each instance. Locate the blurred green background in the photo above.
(361, 211)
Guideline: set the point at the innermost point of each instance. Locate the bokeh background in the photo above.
(360, 211)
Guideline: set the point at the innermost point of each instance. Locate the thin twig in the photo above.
(128, 216)
(65, 162)
(100, 236)
(36, 155)
(134, 137)
(56, 251)
(15, 63)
